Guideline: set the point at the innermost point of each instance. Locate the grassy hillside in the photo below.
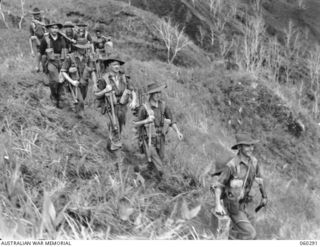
(56, 167)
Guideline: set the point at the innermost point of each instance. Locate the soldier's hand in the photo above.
(132, 105)
(264, 201)
(75, 83)
(32, 53)
(220, 210)
(180, 136)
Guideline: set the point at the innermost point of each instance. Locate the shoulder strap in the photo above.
(106, 78)
(34, 26)
(73, 59)
(148, 109)
(255, 164)
(163, 108)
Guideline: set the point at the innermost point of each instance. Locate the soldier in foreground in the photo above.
(234, 186)
(77, 69)
(53, 51)
(150, 125)
(113, 91)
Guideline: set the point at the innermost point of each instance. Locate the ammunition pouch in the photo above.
(51, 55)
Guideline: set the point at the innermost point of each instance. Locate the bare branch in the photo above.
(3, 16)
(22, 13)
(173, 38)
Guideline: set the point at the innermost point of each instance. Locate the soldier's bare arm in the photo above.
(32, 37)
(168, 115)
(218, 188)
(259, 180)
(65, 67)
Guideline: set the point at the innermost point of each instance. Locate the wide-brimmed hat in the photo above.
(81, 24)
(98, 28)
(68, 24)
(112, 58)
(82, 44)
(155, 87)
(35, 11)
(54, 23)
(243, 138)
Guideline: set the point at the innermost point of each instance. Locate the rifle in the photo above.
(66, 37)
(39, 22)
(73, 94)
(260, 206)
(109, 96)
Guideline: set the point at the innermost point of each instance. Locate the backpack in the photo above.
(38, 29)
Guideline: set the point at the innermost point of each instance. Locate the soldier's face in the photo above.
(82, 51)
(54, 30)
(98, 34)
(37, 17)
(69, 30)
(247, 150)
(115, 67)
(156, 96)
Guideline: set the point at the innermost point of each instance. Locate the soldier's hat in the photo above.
(112, 58)
(68, 24)
(54, 23)
(155, 87)
(243, 138)
(81, 24)
(82, 44)
(98, 28)
(36, 11)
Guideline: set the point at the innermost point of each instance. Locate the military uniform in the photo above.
(83, 34)
(71, 34)
(37, 31)
(79, 68)
(53, 51)
(152, 126)
(235, 182)
(160, 112)
(120, 85)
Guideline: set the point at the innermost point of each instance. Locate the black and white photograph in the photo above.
(159, 120)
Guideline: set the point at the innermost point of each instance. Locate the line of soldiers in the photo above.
(71, 59)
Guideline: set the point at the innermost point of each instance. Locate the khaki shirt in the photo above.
(84, 66)
(118, 82)
(238, 175)
(159, 114)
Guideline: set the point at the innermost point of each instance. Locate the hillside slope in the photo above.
(51, 152)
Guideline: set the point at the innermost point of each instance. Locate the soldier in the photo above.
(113, 92)
(77, 69)
(70, 36)
(83, 32)
(150, 124)
(53, 51)
(37, 31)
(233, 187)
(102, 44)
